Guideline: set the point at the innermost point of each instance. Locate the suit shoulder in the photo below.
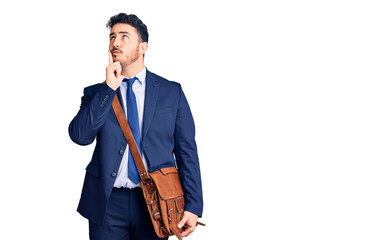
(163, 81)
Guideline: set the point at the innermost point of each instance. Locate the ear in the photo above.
(142, 48)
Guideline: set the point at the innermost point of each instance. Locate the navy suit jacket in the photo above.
(168, 139)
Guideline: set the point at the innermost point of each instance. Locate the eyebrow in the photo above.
(119, 33)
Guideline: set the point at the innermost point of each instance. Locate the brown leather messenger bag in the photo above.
(162, 190)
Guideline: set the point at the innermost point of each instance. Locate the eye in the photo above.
(112, 37)
(125, 36)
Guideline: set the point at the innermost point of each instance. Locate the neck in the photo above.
(132, 69)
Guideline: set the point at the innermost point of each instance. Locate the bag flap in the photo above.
(168, 183)
(168, 170)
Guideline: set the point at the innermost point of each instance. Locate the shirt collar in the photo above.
(140, 76)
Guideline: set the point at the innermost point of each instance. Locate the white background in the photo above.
(282, 92)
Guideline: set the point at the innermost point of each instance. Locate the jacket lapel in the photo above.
(151, 95)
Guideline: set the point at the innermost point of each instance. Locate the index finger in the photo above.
(111, 60)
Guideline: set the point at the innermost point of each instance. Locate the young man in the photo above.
(162, 124)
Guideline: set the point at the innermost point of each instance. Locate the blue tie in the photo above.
(132, 117)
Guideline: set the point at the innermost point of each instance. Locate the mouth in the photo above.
(115, 51)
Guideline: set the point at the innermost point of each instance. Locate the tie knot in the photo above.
(129, 81)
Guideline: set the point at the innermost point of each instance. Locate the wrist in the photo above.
(113, 86)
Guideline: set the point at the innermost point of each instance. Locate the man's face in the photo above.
(125, 44)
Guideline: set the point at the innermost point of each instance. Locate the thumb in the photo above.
(183, 220)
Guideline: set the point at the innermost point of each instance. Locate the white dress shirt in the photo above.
(138, 87)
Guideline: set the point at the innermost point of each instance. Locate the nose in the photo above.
(116, 43)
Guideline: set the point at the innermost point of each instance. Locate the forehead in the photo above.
(123, 27)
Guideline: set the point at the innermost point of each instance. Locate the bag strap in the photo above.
(130, 139)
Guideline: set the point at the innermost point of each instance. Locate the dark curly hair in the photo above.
(132, 20)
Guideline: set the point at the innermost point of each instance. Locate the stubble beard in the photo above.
(131, 58)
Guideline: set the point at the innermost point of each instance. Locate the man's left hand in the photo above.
(189, 222)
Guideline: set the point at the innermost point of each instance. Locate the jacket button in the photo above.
(113, 174)
(121, 152)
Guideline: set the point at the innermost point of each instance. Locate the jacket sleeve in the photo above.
(92, 114)
(187, 157)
